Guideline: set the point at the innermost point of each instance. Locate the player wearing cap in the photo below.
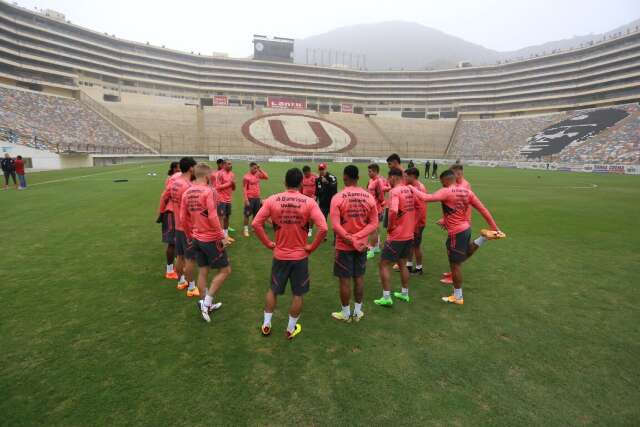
(167, 219)
(354, 216)
(251, 193)
(289, 212)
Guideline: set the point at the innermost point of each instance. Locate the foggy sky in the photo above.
(228, 26)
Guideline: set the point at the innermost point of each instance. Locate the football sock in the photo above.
(386, 294)
(458, 293)
(192, 285)
(358, 308)
(409, 264)
(418, 266)
(182, 279)
(292, 323)
(169, 268)
(267, 319)
(208, 300)
(346, 311)
(246, 228)
(480, 240)
(405, 292)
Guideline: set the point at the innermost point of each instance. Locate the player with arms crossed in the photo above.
(354, 216)
(290, 212)
(206, 237)
(225, 186)
(251, 193)
(377, 187)
(455, 201)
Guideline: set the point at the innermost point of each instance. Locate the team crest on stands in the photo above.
(298, 133)
(575, 129)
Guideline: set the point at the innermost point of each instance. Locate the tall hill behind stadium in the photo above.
(415, 46)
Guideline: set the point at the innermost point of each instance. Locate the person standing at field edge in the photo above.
(20, 172)
(9, 170)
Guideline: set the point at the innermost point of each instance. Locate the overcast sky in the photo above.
(228, 25)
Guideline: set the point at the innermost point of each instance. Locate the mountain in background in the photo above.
(407, 45)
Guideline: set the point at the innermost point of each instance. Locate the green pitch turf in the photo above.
(92, 334)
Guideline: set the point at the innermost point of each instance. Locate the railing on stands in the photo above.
(125, 126)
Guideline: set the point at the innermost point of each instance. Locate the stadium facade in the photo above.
(165, 101)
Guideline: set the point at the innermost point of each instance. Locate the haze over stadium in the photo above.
(349, 145)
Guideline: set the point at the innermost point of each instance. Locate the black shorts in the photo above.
(210, 254)
(325, 210)
(284, 270)
(224, 209)
(458, 245)
(385, 220)
(168, 228)
(181, 243)
(417, 237)
(252, 208)
(396, 250)
(349, 264)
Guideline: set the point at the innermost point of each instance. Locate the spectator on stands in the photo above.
(19, 164)
(9, 170)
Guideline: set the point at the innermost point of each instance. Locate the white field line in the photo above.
(71, 178)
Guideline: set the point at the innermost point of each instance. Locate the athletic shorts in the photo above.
(253, 207)
(458, 245)
(296, 271)
(168, 228)
(224, 209)
(210, 254)
(385, 220)
(396, 250)
(325, 210)
(348, 264)
(181, 243)
(417, 237)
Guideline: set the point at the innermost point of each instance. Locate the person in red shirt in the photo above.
(400, 230)
(19, 165)
(251, 193)
(455, 201)
(289, 212)
(377, 187)
(412, 176)
(167, 219)
(309, 187)
(225, 186)
(212, 177)
(175, 188)
(207, 240)
(354, 216)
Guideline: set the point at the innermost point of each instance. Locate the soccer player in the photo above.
(400, 229)
(175, 188)
(225, 186)
(167, 219)
(413, 180)
(207, 240)
(393, 161)
(377, 187)
(309, 187)
(212, 177)
(251, 193)
(290, 212)
(354, 216)
(458, 171)
(455, 201)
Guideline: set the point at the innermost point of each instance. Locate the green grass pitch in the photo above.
(92, 334)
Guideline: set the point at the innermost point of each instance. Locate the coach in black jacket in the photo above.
(326, 188)
(8, 169)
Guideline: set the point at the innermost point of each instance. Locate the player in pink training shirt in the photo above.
(207, 241)
(377, 187)
(309, 180)
(400, 230)
(289, 212)
(225, 186)
(212, 177)
(176, 187)
(251, 193)
(412, 176)
(455, 201)
(354, 216)
(167, 219)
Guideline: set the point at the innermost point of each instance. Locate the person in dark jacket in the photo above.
(326, 188)
(9, 170)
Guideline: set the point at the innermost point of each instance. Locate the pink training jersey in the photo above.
(165, 202)
(377, 187)
(465, 184)
(290, 213)
(421, 207)
(353, 212)
(402, 213)
(251, 184)
(455, 204)
(173, 192)
(198, 214)
(224, 185)
(309, 185)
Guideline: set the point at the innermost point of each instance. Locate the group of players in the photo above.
(195, 208)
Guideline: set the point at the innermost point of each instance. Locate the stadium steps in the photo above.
(120, 124)
(452, 138)
(384, 136)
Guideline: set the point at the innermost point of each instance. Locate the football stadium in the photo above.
(208, 240)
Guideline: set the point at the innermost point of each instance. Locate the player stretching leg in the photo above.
(203, 230)
(455, 201)
(290, 212)
(354, 216)
(400, 229)
(251, 193)
(377, 187)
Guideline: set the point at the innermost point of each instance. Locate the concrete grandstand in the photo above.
(67, 88)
